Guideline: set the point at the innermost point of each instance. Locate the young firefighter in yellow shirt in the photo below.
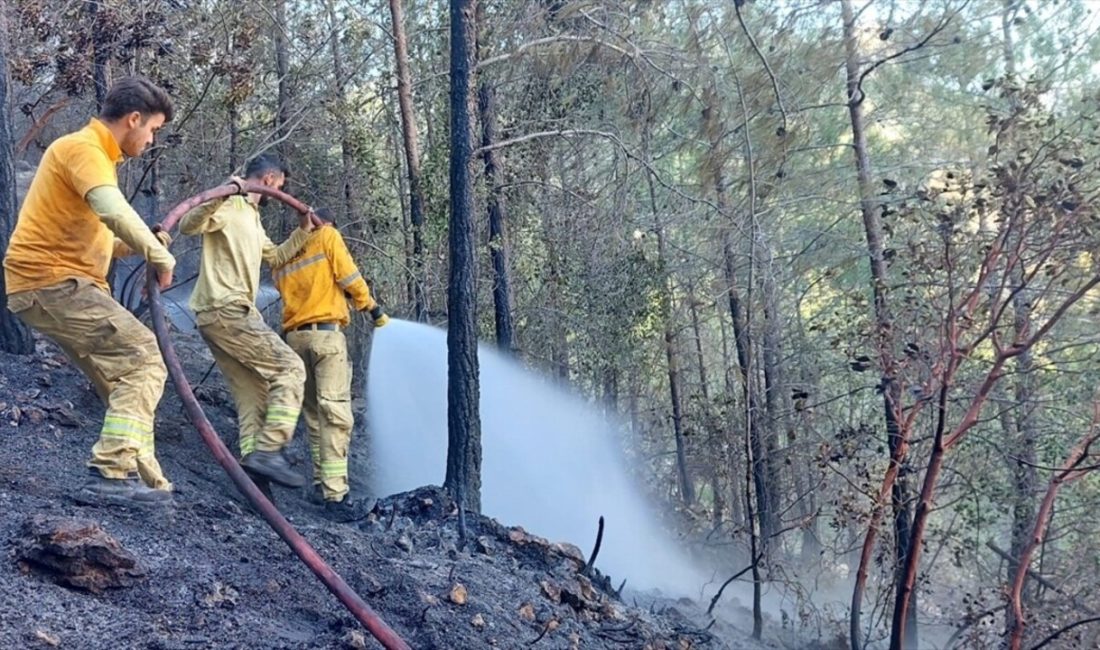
(73, 221)
(265, 376)
(316, 286)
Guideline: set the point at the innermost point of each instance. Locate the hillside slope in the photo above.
(215, 575)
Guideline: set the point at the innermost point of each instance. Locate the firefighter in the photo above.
(265, 376)
(316, 286)
(74, 220)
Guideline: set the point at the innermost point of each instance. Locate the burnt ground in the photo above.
(216, 576)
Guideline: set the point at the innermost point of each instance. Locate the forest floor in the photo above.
(214, 575)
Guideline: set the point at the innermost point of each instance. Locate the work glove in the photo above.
(380, 317)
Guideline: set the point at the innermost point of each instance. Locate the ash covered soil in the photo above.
(214, 575)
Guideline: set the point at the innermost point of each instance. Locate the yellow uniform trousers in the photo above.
(265, 376)
(120, 357)
(327, 406)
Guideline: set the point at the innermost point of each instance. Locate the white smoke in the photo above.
(550, 461)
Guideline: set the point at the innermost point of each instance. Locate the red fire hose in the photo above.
(356, 605)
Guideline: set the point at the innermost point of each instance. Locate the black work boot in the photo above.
(346, 510)
(273, 465)
(100, 490)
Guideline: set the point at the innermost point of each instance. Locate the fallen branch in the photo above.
(1065, 629)
(717, 596)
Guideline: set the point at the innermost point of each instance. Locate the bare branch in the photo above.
(763, 60)
(902, 52)
(549, 40)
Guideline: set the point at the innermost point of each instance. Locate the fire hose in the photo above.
(332, 580)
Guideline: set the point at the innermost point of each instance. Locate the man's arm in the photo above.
(276, 256)
(122, 250)
(347, 275)
(109, 204)
(208, 217)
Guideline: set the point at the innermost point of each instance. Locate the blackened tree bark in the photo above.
(101, 52)
(555, 275)
(498, 239)
(339, 91)
(234, 136)
(463, 478)
(766, 512)
(683, 476)
(412, 156)
(14, 337)
(282, 105)
(718, 455)
(499, 250)
(282, 69)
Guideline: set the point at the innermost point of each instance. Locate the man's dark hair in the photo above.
(264, 163)
(326, 215)
(136, 94)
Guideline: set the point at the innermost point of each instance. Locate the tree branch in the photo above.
(902, 52)
(549, 40)
(764, 61)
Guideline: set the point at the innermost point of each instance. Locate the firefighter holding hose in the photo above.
(316, 286)
(74, 220)
(265, 376)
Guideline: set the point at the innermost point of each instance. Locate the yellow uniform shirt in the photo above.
(233, 245)
(317, 283)
(59, 236)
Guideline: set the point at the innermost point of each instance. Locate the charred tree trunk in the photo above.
(765, 512)
(684, 482)
(101, 53)
(752, 483)
(282, 69)
(234, 137)
(463, 478)
(897, 442)
(683, 476)
(555, 280)
(339, 84)
(776, 401)
(497, 208)
(714, 438)
(412, 155)
(282, 106)
(498, 239)
(14, 337)
(400, 182)
(737, 500)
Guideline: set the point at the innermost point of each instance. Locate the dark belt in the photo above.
(328, 327)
